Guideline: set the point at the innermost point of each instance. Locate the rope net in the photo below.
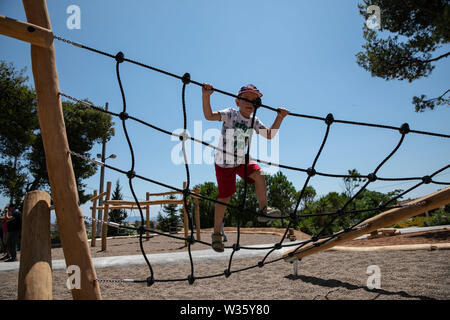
(186, 191)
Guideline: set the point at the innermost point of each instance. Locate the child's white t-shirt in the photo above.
(234, 137)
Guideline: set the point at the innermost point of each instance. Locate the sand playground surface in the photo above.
(422, 274)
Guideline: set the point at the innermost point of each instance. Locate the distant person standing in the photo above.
(4, 234)
(14, 218)
(2, 241)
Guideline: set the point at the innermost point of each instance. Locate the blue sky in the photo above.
(300, 54)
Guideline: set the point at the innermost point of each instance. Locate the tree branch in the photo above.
(437, 58)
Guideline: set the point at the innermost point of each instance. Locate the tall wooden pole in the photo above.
(197, 215)
(105, 216)
(35, 272)
(59, 164)
(186, 219)
(102, 179)
(147, 223)
(416, 207)
(94, 224)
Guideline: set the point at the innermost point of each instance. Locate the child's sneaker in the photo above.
(268, 212)
(217, 243)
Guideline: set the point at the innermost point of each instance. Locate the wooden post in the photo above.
(186, 219)
(94, 224)
(147, 223)
(35, 272)
(105, 216)
(59, 164)
(197, 215)
(418, 206)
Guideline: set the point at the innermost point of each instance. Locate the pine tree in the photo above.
(170, 217)
(116, 215)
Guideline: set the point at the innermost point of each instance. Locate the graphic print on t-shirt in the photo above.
(235, 136)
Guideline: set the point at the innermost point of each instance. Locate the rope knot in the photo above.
(186, 192)
(186, 78)
(372, 177)
(257, 103)
(426, 179)
(184, 135)
(236, 247)
(329, 119)
(150, 281)
(123, 116)
(120, 57)
(131, 174)
(311, 172)
(191, 279)
(227, 273)
(191, 239)
(277, 246)
(404, 129)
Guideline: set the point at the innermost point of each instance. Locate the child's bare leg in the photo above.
(260, 188)
(219, 213)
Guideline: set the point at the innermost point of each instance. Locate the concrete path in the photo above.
(207, 255)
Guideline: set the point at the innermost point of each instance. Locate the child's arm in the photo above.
(207, 91)
(273, 130)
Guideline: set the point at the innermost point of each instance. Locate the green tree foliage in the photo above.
(333, 201)
(353, 182)
(18, 123)
(116, 215)
(84, 127)
(22, 164)
(416, 29)
(209, 190)
(170, 217)
(281, 194)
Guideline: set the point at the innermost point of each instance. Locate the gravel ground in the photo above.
(334, 275)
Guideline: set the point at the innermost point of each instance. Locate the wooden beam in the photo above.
(57, 156)
(96, 197)
(117, 207)
(35, 271)
(143, 203)
(416, 207)
(172, 192)
(27, 32)
(165, 193)
(105, 216)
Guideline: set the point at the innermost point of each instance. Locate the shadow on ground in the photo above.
(333, 283)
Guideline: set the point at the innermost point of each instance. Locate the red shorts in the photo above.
(226, 177)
